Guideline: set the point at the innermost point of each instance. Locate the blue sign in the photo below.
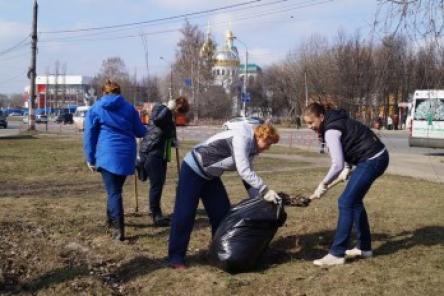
(188, 82)
(245, 97)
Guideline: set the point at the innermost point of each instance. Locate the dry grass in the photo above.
(53, 241)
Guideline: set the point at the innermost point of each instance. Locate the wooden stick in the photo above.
(177, 162)
(136, 194)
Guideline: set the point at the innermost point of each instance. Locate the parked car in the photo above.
(25, 118)
(13, 114)
(41, 118)
(79, 117)
(65, 118)
(3, 120)
(253, 120)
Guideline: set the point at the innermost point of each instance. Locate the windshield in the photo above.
(429, 109)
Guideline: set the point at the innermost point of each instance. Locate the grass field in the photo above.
(53, 240)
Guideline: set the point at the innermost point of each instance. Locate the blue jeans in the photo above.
(351, 206)
(113, 186)
(156, 168)
(191, 188)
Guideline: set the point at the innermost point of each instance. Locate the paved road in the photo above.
(425, 163)
(396, 141)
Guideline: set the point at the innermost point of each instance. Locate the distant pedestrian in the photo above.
(389, 123)
(155, 152)
(111, 128)
(352, 143)
(395, 121)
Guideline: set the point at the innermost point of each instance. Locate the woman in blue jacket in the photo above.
(111, 126)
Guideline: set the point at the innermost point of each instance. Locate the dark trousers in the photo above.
(156, 168)
(191, 188)
(113, 186)
(351, 206)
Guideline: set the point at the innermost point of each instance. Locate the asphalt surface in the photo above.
(425, 163)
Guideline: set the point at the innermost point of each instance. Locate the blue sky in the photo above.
(270, 31)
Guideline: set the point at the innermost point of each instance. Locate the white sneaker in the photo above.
(355, 252)
(329, 259)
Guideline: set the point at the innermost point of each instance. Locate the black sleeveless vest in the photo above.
(359, 143)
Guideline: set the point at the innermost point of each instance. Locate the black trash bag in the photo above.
(245, 233)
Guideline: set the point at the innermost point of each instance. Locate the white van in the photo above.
(426, 126)
(79, 117)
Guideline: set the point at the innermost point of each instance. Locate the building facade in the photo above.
(229, 73)
(59, 91)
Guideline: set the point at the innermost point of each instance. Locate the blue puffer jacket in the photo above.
(111, 126)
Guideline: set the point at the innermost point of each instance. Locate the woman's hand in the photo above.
(345, 174)
(320, 191)
(272, 196)
(91, 167)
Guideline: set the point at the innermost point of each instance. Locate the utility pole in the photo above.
(306, 89)
(171, 77)
(245, 82)
(32, 69)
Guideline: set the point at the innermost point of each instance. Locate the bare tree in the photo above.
(193, 64)
(413, 18)
(113, 68)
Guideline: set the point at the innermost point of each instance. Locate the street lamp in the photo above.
(244, 107)
(171, 77)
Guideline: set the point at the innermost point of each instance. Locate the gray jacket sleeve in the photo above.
(241, 151)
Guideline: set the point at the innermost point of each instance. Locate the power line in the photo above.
(13, 78)
(14, 57)
(292, 7)
(181, 16)
(196, 16)
(21, 43)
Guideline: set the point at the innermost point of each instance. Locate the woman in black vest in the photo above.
(155, 152)
(349, 143)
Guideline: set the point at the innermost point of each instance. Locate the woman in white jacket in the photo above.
(200, 178)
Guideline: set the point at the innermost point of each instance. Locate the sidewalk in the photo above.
(426, 167)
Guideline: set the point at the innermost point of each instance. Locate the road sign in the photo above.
(245, 97)
(188, 82)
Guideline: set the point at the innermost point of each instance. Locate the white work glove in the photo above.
(345, 174)
(91, 167)
(272, 196)
(320, 191)
(171, 105)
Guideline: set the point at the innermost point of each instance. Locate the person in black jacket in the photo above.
(349, 143)
(155, 152)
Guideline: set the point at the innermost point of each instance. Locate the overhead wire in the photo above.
(138, 27)
(246, 17)
(12, 78)
(16, 46)
(181, 16)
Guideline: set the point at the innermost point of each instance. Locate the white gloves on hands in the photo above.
(272, 196)
(91, 167)
(344, 175)
(320, 191)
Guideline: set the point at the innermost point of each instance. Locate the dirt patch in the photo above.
(54, 189)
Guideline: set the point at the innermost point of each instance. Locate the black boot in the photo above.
(160, 221)
(118, 230)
